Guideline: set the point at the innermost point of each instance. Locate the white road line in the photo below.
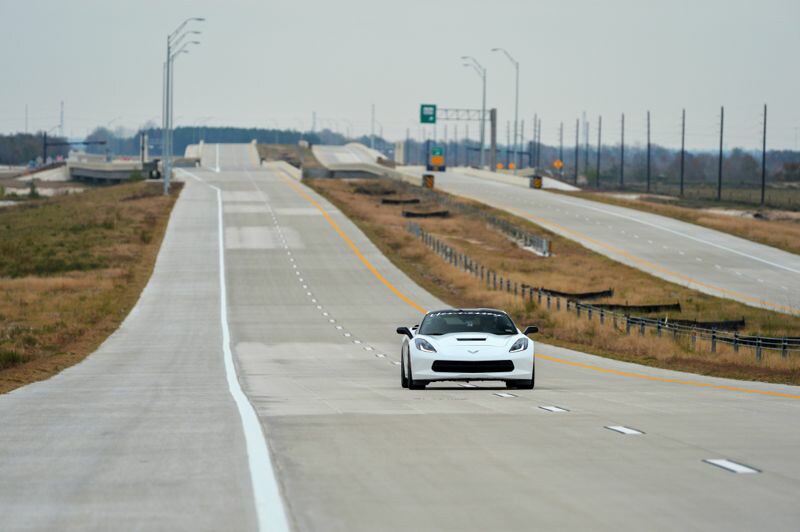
(380, 355)
(504, 395)
(269, 505)
(466, 385)
(551, 408)
(679, 233)
(396, 363)
(623, 429)
(731, 466)
(368, 348)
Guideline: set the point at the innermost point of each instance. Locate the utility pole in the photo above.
(539, 144)
(521, 141)
(585, 145)
(508, 143)
(622, 156)
(648, 151)
(719, 169)
(493, 139)
(372, 130)
(577, 146)
(599, 147)
(683, 144)
(533, 142)
(561, 147)
(764, 158)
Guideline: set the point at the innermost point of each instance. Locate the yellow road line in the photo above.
(354, 248)
(297, 188)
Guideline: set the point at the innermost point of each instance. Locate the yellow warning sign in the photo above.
(558, 164)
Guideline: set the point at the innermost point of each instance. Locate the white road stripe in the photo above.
(504, 395)
(731, 466)
(623, 429)
(269, 505)
(551, 408)
(466, 385)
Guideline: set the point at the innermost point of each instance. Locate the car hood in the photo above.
(472, 340)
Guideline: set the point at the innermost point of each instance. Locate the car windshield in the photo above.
(467, 321)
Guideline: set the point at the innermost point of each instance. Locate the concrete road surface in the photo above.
(144, 434)
(704, 259)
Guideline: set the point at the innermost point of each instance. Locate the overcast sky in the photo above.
(263, 63)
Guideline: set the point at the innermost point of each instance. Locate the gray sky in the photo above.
(263, 63)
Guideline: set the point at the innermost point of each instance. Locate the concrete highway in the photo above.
(263, 284)
(704, 259)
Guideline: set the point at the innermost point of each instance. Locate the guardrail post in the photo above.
(577, 309)
(481, 272)
(515, 289)
(558, 303)
(508, 285)
(758, 349)
(694, 340)
(736, 342)
(589, 313)
(641, 328)
(627, 324)
(784, 348)
(539, 295)
(713, 340)
(494, 280)
(602, 316)
(548, 301)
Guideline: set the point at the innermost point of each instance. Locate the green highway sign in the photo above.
(427, 113)
(437, 151)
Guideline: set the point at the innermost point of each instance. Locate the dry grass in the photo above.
(572, 268)
(71, 269)
(782, 234)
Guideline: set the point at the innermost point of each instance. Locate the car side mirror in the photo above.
(404, 330)
(531, 329)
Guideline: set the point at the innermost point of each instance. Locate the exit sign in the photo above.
(427, 113)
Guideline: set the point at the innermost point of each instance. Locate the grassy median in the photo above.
(571, 268)
(71, 268)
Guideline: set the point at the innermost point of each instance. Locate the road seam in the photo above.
(266, 494)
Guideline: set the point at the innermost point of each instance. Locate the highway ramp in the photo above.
(144, 434)
(711, 261)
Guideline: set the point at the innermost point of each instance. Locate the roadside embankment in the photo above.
(71, 268)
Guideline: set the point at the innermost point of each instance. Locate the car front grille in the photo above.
(472, 366)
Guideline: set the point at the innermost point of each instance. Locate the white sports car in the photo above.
(466, 345)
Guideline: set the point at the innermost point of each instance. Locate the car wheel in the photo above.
(523, 384)
(412, 384)
(403, 378)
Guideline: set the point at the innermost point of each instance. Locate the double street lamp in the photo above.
(175, 47)
(481, 71)
(516, 106)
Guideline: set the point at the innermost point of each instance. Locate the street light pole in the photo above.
(516, 105)
(173, 40)
(482, 73)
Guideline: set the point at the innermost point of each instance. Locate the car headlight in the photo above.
(519, 345)
(424, 345)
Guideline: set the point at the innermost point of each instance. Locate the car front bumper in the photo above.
(424, 366)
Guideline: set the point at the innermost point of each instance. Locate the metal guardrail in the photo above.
(620, 321)
(539, 244)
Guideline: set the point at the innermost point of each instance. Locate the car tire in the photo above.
(403, 378)
(523, 384)
(412, 384)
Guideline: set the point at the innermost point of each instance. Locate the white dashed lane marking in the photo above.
(624, 430)
(730, 465)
